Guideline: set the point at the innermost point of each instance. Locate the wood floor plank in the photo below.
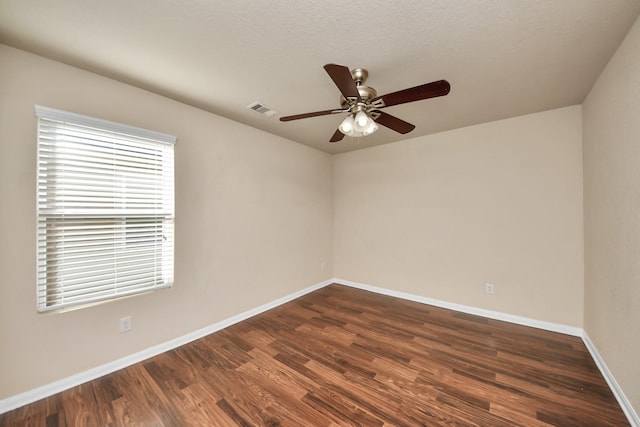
(346, 357)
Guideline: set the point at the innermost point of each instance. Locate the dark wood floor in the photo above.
(342, 356)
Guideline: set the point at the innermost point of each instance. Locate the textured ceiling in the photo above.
(503, 58)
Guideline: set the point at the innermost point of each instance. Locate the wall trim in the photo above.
(496, 315)
(50, 389)
(626, 406)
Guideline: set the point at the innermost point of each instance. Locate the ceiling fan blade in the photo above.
(392, 122)
(341, 76)
(425, 91)
(307, 115)
(337, 136)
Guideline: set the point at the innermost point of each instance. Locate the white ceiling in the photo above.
(503, 58)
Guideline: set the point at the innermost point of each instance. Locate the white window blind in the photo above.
(105, 209)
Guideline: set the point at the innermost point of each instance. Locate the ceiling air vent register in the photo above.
(262, 109)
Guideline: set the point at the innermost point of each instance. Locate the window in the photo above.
(105, 210)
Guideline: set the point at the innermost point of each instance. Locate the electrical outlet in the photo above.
(125, 324)
(488, 288)
(322, 266)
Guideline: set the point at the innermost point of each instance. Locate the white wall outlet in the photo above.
(488, 288)
(125, 324)
(322, 266)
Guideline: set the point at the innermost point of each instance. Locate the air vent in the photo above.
(262, 109)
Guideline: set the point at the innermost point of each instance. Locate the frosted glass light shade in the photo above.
(361, 121)
(371, 128)
(347, 125)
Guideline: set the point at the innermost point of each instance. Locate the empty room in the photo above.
(320, 213)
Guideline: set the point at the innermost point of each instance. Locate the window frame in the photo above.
(131, 223)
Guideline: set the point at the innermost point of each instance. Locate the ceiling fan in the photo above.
(363, 104)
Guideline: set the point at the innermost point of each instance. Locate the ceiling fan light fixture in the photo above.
(358, 125)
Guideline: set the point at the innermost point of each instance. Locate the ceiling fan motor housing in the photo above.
(360, 76)
(366, 93)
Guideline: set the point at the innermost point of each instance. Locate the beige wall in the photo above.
(439, 216)
(612, 215)
(253, 223)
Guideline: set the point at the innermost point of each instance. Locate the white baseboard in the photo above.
(496, 315)
(47, 390)
(626, 406)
